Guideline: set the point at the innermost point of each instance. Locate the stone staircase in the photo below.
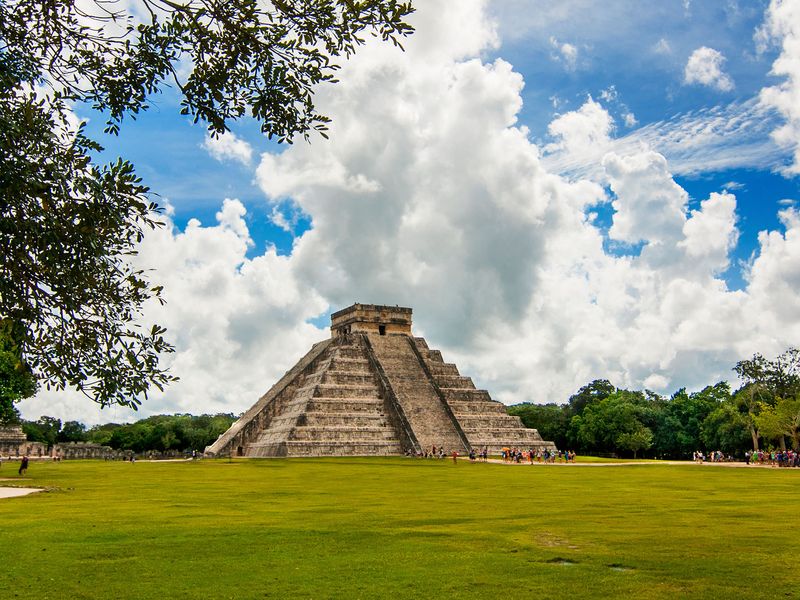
(427, 415)
(337, 410)
(484, 421)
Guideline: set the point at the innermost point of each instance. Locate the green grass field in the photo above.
(399, 528)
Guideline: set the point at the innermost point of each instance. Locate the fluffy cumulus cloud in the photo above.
(581, 138)
(430, 195)
(782, 26)
(228, 147)
(704, 67)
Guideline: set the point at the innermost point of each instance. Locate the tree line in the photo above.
(180, 432)
(600, 418)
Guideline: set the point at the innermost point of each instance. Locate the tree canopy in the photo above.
(602, 419)
(158, 433)
(69, 295)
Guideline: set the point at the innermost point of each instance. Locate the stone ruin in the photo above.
(373, 389)
(14, 444)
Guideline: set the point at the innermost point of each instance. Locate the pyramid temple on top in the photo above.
(373, 389)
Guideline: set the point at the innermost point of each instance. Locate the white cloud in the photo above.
(733, 186)
(609, 94)
(629, 119)
(229, 147)
(662, 47)
(783, 25)
(710, 233)
(580, 137)
(649, 205)
(705, 68)
(565, 53)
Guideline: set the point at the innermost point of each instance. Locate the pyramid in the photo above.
(373, 389)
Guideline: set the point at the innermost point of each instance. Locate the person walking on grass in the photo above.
(23, 466)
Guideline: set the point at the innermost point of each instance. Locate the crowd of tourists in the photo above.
(543, 456)
(440, 453)
(779, 458)
(715, 456)
(509, 455)
(773, 458)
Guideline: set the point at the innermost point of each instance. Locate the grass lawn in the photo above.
(399, 528)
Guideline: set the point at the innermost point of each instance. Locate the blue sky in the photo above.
(562, 190)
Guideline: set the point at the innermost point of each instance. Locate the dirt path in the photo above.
(13, 492)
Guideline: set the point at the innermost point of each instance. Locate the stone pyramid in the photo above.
(373, 389)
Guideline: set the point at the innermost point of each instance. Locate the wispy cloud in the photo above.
(713, 139)
(565, 53)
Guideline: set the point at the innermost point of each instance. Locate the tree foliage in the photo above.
(44, 430)
(68, 226)
(782, 419)
(767, 384)
(158, 433)
(601, 419)
(551, 420)
(16, 379)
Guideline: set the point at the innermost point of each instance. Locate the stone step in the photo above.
(454, 382)
(338, 419)
(348, 378)
(343, 433)
(284, 420)
(443, 369)
(467, 395)
(501, 431)
(350, 352)
(353, 365)
(352, 405)
(433, 355)
(478, 421)
(325, 390)
(326, 448)
(483, 407)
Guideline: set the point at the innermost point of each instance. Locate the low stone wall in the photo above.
(83, 450)
(19, 449)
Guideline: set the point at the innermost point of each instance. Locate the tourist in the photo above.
(23, 466)
(455, 456)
